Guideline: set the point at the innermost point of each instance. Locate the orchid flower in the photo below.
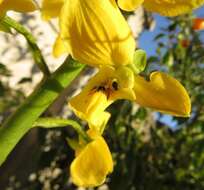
(95, 33)
(106, 42)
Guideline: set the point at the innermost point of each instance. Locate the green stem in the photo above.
(37, 55)
(25, 116)
(47, 122)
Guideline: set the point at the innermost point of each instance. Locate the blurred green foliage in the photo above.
(9, 98)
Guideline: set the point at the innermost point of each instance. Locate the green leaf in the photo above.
(153, 59)
(48, 122)
(141, 113)
(168, 59)
(139, 61)
(43, 96)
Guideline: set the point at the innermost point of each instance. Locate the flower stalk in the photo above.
(18, 124)
(37, 55)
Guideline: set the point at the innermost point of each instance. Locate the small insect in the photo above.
(106, 89)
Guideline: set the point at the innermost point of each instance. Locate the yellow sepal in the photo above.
(96, 33)
(162, 93)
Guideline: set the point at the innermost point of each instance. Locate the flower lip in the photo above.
(107, 86)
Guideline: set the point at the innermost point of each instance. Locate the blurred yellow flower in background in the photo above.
(16, 5)
(93, 162)
(163, 7)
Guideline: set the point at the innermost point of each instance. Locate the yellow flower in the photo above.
(16, 5)
(86, 174)
(163, 7)
(108, 85)
(162, 93)
(95, 33)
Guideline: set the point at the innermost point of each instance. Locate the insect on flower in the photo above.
(107, 88)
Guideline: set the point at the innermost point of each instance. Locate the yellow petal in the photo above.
(51, 8)
(59, 47)
(172, 7)
(96, 32)
(17, 5)
(92, 165)
(125, 93)
(99, 121)
(90, 107)
(125, 77)
(129, 5)
(90, 103)
(163, 93)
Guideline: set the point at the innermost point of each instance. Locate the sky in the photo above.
(146, 39)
